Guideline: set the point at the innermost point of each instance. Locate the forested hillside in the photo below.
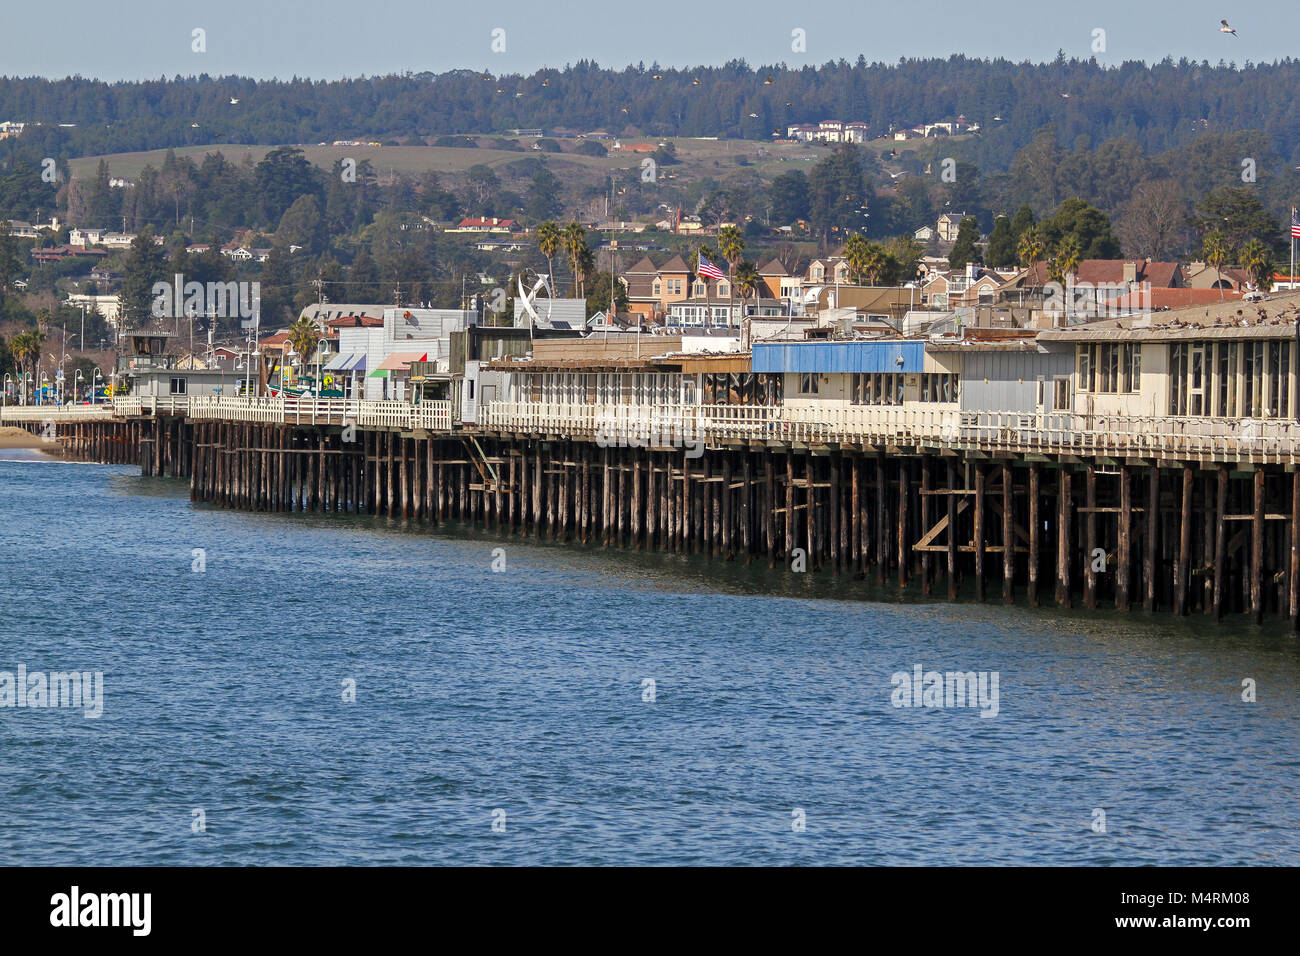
(1156, 107)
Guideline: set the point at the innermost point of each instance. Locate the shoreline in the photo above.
(18, 438)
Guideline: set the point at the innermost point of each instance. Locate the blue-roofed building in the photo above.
(873, 372)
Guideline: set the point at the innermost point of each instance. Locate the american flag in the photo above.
(1295, 224)
(708, 269)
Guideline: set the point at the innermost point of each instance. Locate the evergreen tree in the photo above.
(964, 250)
(1002, 245)
(143, 265)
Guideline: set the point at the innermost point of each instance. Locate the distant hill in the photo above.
(1158, 107)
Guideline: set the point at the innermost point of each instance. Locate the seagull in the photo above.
(1226, 29)
(234, 100)
(753, 116)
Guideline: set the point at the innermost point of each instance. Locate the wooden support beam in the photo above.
(952, 532)
(1293, 574)
(1152, 535)
(1063, 522)
(1220, 535)
(1089, 538)
(904, 490)
(1035, 529)
(1124, 544)
(1183, 561)
(1008, 536)
(1257, 551)
(978, 540)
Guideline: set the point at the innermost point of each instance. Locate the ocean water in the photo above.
(503, 717)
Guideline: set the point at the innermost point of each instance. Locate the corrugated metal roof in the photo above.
(881, 356)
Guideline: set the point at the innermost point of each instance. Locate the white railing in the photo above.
(435, 416)
(1264, 440)
(55, 413)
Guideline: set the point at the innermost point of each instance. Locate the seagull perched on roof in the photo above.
(1226, 29)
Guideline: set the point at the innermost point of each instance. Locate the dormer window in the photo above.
(698, 289)
(818, 273)
(724, 288)
(657, 288)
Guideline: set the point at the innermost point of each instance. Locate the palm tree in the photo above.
(1258, 261)
(25, 347)
(549, 242)
(1029, 250)
(303, 336)
(746, 281)
(1068, 255)
(856, 253)
(574, 238)
(732, 246)
(875, 262)
(1216, 250)
(586, 264)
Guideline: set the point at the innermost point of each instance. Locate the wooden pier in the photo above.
(1187, 537)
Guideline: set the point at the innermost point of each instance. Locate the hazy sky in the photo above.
(134, 39)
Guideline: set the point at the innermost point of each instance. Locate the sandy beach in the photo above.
(13, 437)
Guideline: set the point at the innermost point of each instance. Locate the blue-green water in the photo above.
(522, 691)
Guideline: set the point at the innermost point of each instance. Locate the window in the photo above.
(1178, 355)
(177, 386)
(699, 290)
(724, 289)
(657, 288)
(1279, 379)
(808, 383)
(1060, 394)
(938, 387)
(1109, 367)
(884, 388)
(1132, 368)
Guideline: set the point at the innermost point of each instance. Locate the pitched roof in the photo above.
(675, 264)
(1161, 275)
(645, 267)
(773, 268)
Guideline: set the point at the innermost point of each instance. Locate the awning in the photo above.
(399, 361)
(342, 361)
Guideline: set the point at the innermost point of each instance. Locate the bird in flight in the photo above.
(233, 101)
(1226, 29)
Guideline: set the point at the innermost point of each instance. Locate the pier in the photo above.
(1165, 514)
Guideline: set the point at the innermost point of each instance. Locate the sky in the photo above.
(328, 39)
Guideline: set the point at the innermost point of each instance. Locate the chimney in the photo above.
(970, 271)
(1130, 272)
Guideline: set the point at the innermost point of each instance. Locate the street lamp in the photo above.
(8, 381)
(75, 379)
(94, 386)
